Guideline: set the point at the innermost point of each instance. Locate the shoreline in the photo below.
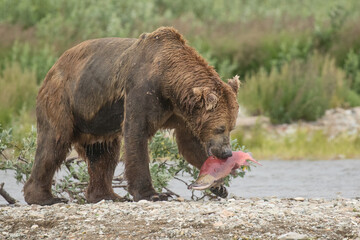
(262, 218)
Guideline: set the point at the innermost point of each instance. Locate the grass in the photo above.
(302, 144)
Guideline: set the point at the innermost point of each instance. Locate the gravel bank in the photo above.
(266, 218)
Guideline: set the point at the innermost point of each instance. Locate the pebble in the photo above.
(218, 224)
(226, 213)
(292, 236)
(301, 199)
(35, 226)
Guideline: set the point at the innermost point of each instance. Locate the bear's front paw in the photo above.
(159, 197)
(49, 201)
(154, 197)
(59, 200)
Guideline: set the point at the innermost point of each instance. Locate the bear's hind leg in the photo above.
(50, 153)
(102, 159)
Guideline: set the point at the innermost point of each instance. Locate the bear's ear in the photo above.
(198, 92)
(234, 83)
(205, 94)
(211, 101)
(143, 36)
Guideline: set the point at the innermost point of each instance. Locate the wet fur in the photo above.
(106, 90)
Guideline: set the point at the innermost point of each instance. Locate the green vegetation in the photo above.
(295, 58)
(17, 93)
(352, 67)
(299, 90)
(258, 40)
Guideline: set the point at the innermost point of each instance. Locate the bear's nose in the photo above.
(226, 154)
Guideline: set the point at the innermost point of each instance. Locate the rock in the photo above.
(35, 226)
(226, 213)
(300, 199)
(218, 224)
(101, 202)
(292, 236)
(335, 122)
(249, 122)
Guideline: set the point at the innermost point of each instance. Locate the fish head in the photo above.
(205, 182)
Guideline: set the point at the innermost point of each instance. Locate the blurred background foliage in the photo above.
(295, 58)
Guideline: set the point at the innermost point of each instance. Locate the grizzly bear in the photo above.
(103, 90)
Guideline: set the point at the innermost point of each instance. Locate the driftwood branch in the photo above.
(171, 192)
(118, 178)
(71, 160)
(5, 195)
(181, 181)
(2, 154)
(68, 162)
(120, 186)
(22, 159)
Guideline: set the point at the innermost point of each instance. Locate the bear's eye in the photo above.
(219, 130)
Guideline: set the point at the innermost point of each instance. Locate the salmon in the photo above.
(214, 170)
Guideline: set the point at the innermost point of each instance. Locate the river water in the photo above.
(283, 179)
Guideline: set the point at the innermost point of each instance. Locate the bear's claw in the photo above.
(159, 197)
(51, 201)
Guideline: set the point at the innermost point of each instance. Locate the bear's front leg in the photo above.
(137, 172)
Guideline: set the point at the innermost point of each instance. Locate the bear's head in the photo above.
(207, 104)
(220, 109)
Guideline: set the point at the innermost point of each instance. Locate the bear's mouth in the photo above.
(209, 152)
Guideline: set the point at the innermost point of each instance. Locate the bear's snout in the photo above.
(221, 152)
(226, 153)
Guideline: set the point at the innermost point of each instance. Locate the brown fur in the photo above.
(103, 90)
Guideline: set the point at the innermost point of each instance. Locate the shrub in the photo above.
(299, 90)
(324, 37)
(166, 165)
(352, 68)
(38, 61)
(27, 13)
(20, 154)
(243, 35)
